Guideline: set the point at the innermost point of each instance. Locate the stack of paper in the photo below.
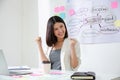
(19, 70)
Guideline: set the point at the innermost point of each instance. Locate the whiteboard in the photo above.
(90, 21)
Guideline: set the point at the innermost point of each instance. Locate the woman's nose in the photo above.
(60, 30)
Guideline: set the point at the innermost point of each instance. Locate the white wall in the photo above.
(101, 58)
(18, 29)
(10, 30)
(30, 32)
(44, 14)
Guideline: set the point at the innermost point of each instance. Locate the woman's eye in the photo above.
(61, 26)
(56, 29)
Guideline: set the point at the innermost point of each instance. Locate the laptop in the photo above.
(4, 67)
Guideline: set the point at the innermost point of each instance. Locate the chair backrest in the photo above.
(3, 64)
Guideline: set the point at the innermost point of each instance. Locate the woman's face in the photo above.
(59, 30)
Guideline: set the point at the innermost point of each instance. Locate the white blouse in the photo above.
(65, 55)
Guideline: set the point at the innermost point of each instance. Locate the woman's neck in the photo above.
(60, 40)
(58, 44)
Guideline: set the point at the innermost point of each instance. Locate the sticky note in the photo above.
(114, 4)
(17, 76)
(56, 9)
(59, 9)
(71, 12)
(36, 74)
(62, 15)
(62, 8)
(117, 23)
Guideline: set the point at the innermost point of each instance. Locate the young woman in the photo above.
(63, 52)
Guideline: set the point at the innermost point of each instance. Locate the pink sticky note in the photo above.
(56, 72)
(71, 12)
(62, 8)
(35, 74)
(56, 9)
(114, 4)
(15, 76)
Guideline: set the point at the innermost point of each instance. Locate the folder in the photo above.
(83, 76)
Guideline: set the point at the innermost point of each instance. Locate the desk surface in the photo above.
(53, 75)
(39, 75)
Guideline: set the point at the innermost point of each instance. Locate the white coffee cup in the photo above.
(46, 67)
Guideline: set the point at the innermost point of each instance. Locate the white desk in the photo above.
(39, 75)
(54, 75)
(103, 76)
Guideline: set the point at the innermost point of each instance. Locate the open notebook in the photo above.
(4, 67)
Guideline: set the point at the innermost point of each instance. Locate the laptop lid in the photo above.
(4, 67)
(3, 64)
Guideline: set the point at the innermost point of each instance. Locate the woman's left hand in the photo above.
(72, 42)
(73, 58)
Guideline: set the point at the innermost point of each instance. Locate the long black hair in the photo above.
(50, 37)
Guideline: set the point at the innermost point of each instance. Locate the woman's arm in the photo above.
(42, 54)
(73, 55)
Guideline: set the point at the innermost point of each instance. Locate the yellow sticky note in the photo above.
(117, 23)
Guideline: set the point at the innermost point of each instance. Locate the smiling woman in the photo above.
(63, 52)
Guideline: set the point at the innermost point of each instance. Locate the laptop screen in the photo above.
(3, 64)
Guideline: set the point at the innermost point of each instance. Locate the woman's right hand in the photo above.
(42, 55)
(39, 41)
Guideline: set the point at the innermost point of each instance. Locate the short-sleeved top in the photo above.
(55, 59)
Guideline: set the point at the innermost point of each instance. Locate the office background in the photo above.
(21, 21)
